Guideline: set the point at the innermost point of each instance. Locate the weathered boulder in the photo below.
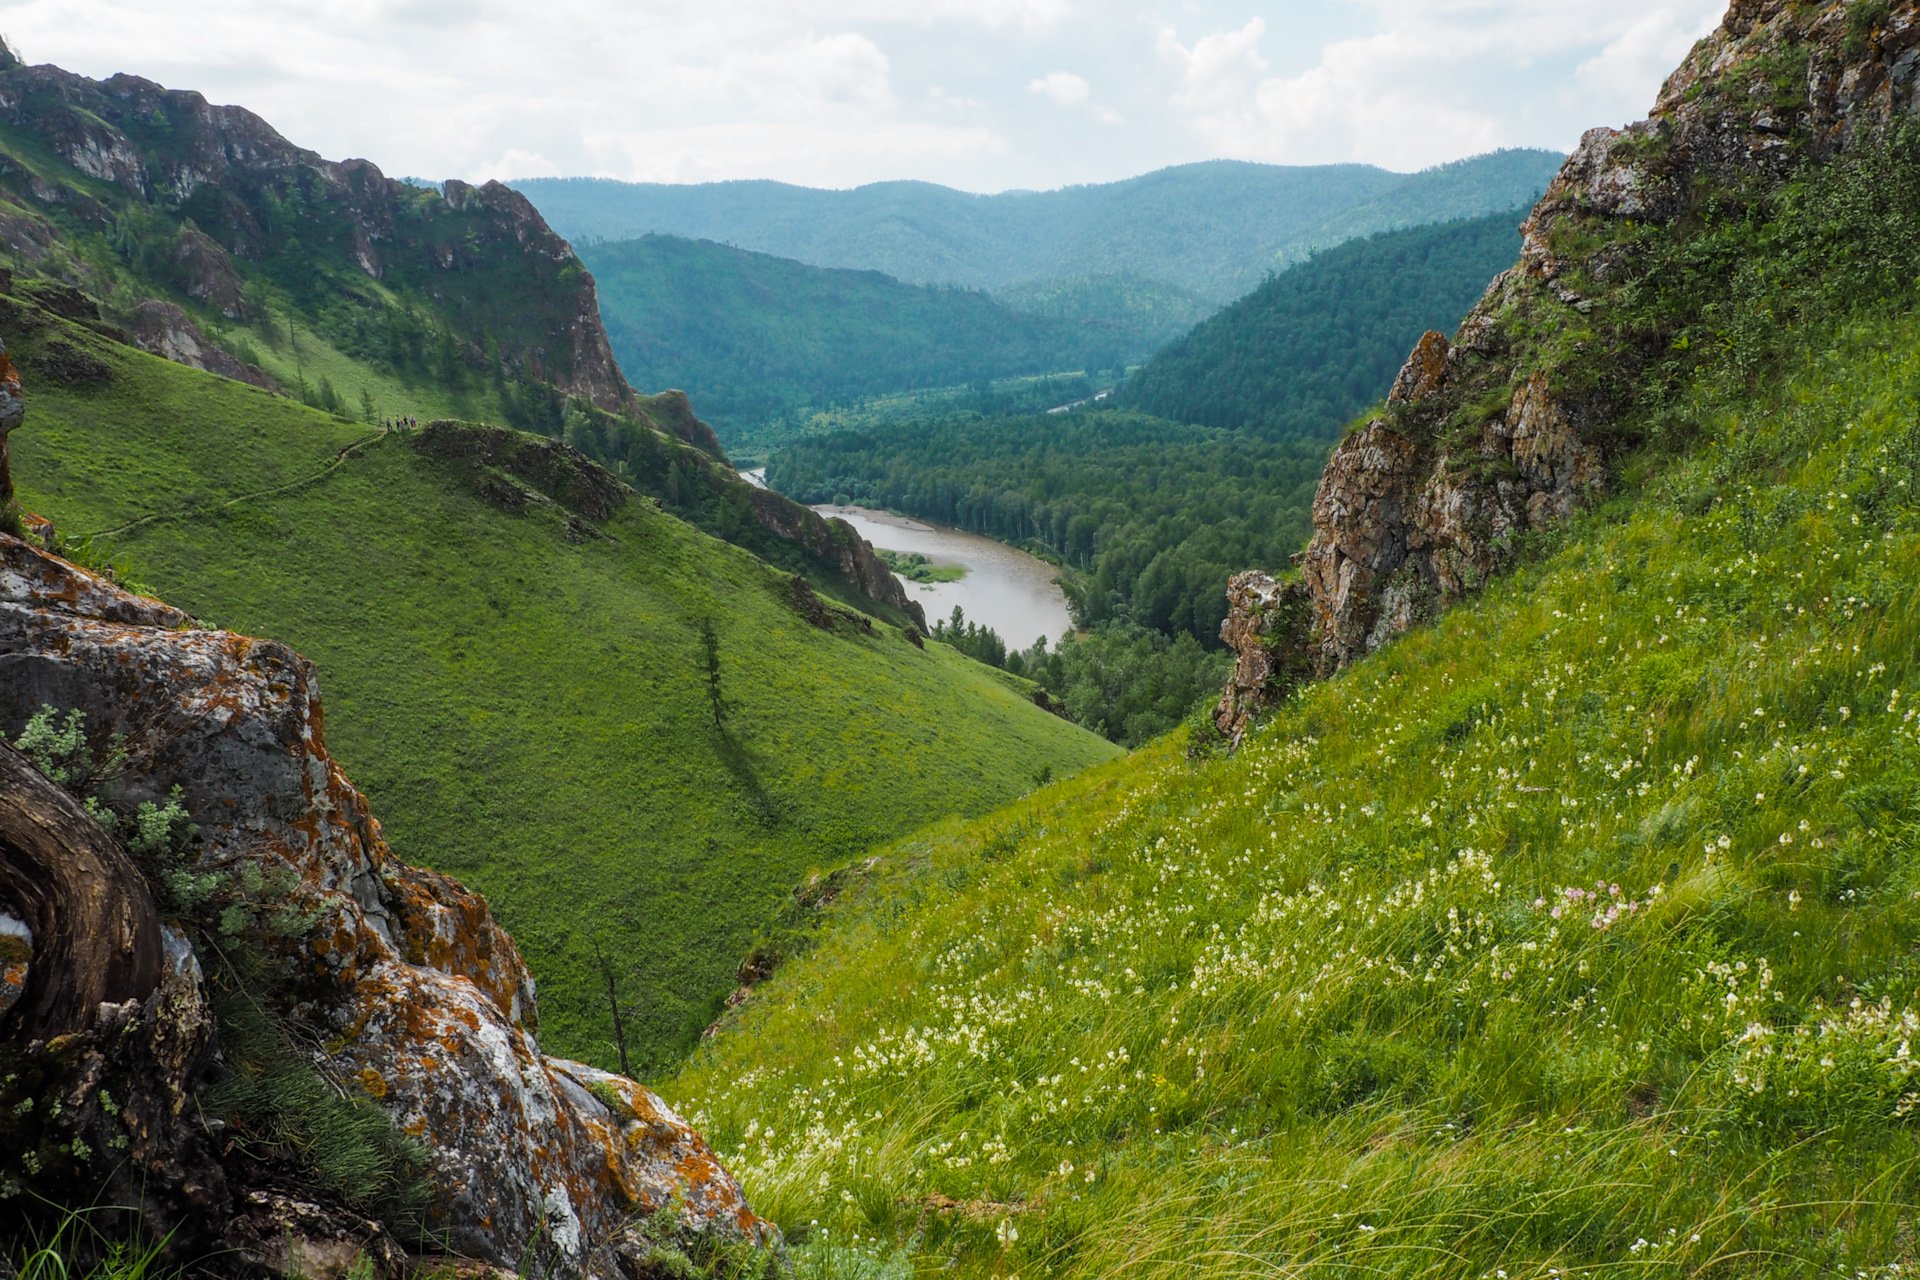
(427, 1004)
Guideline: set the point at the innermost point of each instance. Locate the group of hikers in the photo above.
(409, 422)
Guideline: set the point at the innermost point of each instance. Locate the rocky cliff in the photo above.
(835, 542)
(1524, 415)
(394, 983)
(188, 191)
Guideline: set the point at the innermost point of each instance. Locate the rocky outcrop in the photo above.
(207, 274)
(835, 542)
(164, 330)
(672, 412)
(556, 471)
(1266, 628)
(1500, 431)
(412, 995)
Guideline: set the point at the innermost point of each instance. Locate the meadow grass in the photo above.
(1574, 934)
(526, 706)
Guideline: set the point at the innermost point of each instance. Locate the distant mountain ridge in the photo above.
(1216, 228)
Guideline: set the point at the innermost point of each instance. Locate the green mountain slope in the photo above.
(199, 233)
(1576, 932)
(753, 338)
(1303, 353)
(1214, 228)
(521, 685)
(138, 193)
(1567, 930)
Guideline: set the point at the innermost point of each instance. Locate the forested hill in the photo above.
(1314, 345)
(751, 337)
(1215, 228)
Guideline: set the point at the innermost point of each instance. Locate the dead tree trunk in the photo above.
(96, 934)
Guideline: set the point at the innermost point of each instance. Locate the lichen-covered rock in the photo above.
(430, 1010)
(1425, 371)
(1361, 517)
(1421, 506)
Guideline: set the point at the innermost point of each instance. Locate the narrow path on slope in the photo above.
(340, 460)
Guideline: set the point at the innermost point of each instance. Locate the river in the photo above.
(1006, 589)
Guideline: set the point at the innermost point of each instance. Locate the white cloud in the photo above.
(1434, 80)
(1063, 87)
(971, 92)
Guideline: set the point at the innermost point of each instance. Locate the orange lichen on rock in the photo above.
(431, 1007)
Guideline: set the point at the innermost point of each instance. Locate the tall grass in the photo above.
(1577, 934)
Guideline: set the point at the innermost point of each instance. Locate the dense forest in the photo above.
(1203, 462)
(1316, 344)
(1152, 514)
(1214, 229)
(753, 338)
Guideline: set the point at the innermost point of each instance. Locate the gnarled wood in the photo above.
(96, 934)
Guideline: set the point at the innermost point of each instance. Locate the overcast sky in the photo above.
(979, 94)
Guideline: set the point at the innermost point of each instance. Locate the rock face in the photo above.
(1490, 435)
(1263, 618)
(164, 330)
(415, 995)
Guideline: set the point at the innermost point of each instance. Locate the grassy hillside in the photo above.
(522, 689)
(1214, 228)
(1575, 934)
(753, 338)
(1313, 346)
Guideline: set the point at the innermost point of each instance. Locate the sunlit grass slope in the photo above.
(1573, 935)
(528, 706)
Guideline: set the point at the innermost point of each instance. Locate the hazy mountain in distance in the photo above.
(1215, 228)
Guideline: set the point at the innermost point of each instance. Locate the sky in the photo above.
(984, 95)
